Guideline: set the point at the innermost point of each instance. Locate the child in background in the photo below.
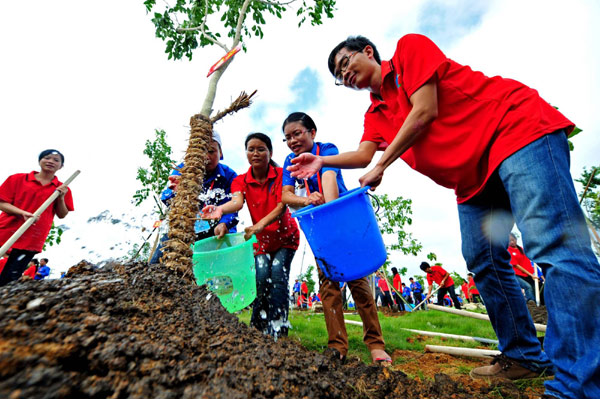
(32, 269)
(20, 196)
(300, 130)
(277, 233)
(43, 270)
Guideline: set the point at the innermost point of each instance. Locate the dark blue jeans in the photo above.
(534, 188)
(271, 306)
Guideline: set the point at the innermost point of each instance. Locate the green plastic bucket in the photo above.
(227, 268)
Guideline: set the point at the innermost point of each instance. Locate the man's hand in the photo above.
(211, 212)
(315, 199)
(221, 230)
(373, 178)
(305, 165)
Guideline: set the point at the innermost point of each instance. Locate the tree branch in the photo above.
(202, 30)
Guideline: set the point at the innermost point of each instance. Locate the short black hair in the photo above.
(352, 43)
(424, 266)
(48, 152)
(301, 117)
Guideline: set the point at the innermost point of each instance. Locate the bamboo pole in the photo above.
(453, 350)
(36, 215)
(454, 336)
(538, 327)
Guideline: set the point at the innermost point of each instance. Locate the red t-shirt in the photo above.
(261, 200)
(465, 288)
(2, 263)
(437, 275)
(481, 120)
(304, 288)
(25, 192)
(519, 258)
(30, 272)
(472, 289)
(383, 285)
(397, 282)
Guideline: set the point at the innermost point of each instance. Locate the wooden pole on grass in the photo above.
(36, 215)
(538, 327)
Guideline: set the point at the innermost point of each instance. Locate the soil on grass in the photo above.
(538, 313)
(134, 331)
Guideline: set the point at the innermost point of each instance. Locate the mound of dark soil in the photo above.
(539, 314)
(135, 331)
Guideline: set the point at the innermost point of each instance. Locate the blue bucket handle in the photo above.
(376, 200)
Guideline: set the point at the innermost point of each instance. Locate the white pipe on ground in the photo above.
(538, 327)
(452, 350)
(354, 323)
(454, 336)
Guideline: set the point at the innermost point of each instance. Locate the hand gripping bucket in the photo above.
(344, 236)
(227, 268)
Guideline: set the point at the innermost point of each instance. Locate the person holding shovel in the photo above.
(276, 231)
(523, 269)
(504, 151)
(299, 131)
(20, 196)
(398, 289)
(442, 278)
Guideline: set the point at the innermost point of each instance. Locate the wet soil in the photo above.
(133, 331)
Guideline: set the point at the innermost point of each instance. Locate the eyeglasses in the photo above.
(344, 62)
(296, 135)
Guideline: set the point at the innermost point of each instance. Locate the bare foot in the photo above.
(380, 356)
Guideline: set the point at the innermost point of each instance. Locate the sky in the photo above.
(92, 80)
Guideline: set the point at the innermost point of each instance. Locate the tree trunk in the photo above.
(182, 213)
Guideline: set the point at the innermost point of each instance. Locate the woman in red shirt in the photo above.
(20, 196)
(277, 233)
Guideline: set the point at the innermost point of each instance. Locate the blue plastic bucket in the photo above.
(227, 268)
(344, 236)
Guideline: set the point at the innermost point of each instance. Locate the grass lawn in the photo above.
(309, 329)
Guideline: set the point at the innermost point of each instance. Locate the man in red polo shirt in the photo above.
(504, 152)
(20, 196)
(442, 278)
